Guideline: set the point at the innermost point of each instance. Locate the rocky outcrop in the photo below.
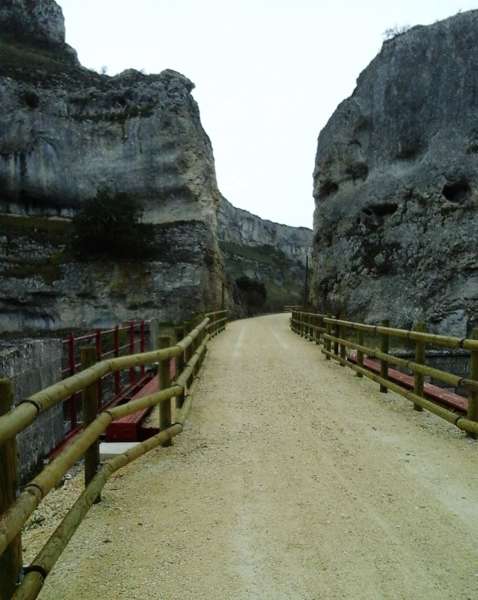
(267, 252)
(241, 227)
(396, 185)
(65, 133)
(40, 20)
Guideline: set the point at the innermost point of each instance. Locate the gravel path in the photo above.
(293, 480)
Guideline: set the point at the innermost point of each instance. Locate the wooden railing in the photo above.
(174, 399)
(338, 337)
(113, 388)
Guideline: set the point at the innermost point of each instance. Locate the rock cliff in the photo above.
(396, 185)
(65, 133)
(268, 252)
(38, 20)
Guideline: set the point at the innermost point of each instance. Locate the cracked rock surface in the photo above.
(67, 132)
(396, 185)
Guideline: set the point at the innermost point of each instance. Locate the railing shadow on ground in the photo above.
(189, 354)
(338, 336)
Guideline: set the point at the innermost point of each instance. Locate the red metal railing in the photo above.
(112, 388)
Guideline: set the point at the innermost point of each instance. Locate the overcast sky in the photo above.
(268, 75)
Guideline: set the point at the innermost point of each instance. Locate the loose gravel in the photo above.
(293, 480)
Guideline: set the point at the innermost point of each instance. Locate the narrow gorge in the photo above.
(66, 133)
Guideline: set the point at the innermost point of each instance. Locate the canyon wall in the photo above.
(264, 251)
(67, 132)
(396, 185)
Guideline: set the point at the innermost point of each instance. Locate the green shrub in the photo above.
(109, 226)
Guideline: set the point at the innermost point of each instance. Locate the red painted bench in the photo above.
(127, 429)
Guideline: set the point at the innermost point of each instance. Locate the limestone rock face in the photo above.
(65, 133)
(41, 20)
(239, 226)
(396, 185)
(132, 133)
(268, 252)
(242, 227)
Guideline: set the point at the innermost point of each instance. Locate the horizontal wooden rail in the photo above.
(217, 322)
(26, 412)
(189, 353)
(331, 332)
(433, 339)
(34, 492)
(217, 312)
(445, 376)
(450, 416)
(46, 559)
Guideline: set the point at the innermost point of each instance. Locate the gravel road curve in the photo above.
(293, 480)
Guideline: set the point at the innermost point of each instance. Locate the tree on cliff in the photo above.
(109, 226)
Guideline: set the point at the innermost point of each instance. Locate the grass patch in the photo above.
(35, 64)
(117, 117)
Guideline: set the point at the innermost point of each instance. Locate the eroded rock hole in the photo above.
(327, 188)
(31, 99)
(380, 210)
(457, 191)
(358, 170)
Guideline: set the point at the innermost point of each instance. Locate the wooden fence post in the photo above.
(328, 344)
(212, 326)
(90, 408)
(336, 335)
(384, 347)
(165, 421)
(180, 332)
(360, 339)
(11, 559)
(202, 337)
(343, 348)
(473, 396)
(419, 359)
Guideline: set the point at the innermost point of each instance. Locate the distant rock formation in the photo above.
(396, 185)
(264, 251)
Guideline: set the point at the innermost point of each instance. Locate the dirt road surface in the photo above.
(293, 480)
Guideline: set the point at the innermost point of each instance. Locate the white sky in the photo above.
(268, 75)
